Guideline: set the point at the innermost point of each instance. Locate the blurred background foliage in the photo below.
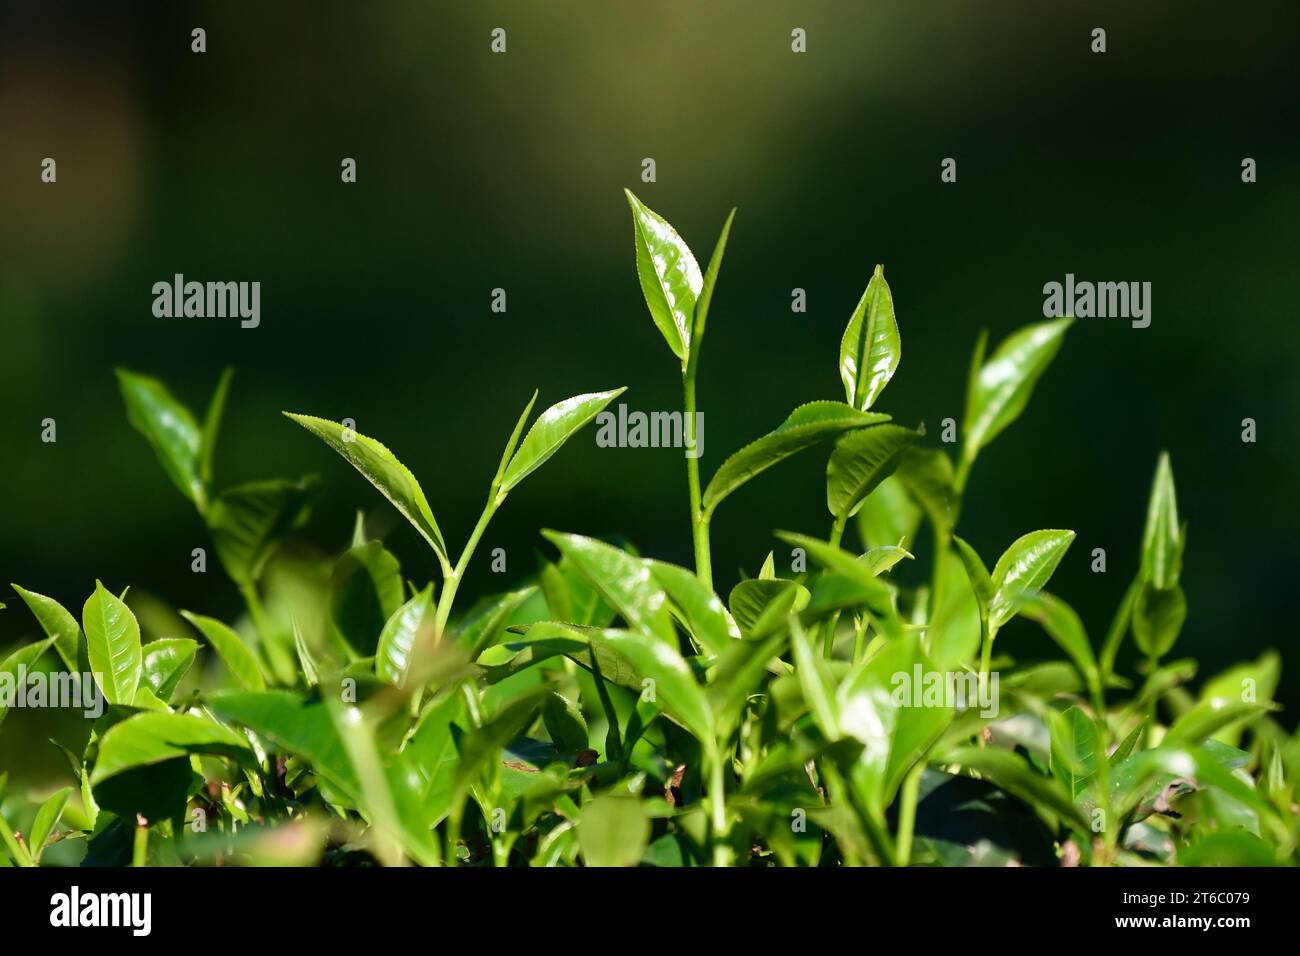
(479, 171)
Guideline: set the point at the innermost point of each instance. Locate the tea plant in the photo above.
(615, 710)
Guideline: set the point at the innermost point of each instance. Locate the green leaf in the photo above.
(670, 277)
(1255, 681)
(24, 658)
(815, 681)
(861, 460)
(47, 818)
(513, 442)
(365, 591)
(1162, 544)
(482, 746)
(861, 570)
(894, 731)
(382, 469)
(483, 625)
(57, 623)
(552, 429)
(928, 476)
(1001, 389)
(1025, 567)
(1158, 617)
(586, 646)
(299, 726)
(1210, 716)
(112, 645)
(761, 602)
(613, 831)
(806, 426)
(565, 723)
(888, 515)
(212, 425)
(147, 739)
(392, 657)
(1076, 750)
(1063, 626)
(624, 580)
(710, 280)
(306, 660)
(705, 617)
(234, 653)
(674, 685)
(169, 427)
(870, 348)
(1007, 771)
(249, 521)
(165, 663)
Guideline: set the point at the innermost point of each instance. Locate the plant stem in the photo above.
(140, 849)
(699, 520)
(837, 534)
(722, 855)
(907, 813)
(452, 581)
(255, 610)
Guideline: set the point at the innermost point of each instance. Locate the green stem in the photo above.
(699, 520)
(255, 610)
(140, 849)
(452, 581)
(986, 655)
(722, 855)
(907, 813)
(837, 534)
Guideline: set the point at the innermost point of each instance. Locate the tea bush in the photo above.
(615, 710)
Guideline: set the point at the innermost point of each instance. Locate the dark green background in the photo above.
(479, 170)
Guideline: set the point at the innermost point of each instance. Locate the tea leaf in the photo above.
(57, 623)
(248, 522)
(112, 645)
(365, 591)
(145, 739)
(47, 818)
(625, 581)
(166, 662)
(928, 476)
(169, 427)
(1025, 567)
(296, 725)
(1001, 389)
(552, 429)
(25, 658)
(870, 347)
(670, 276)
(699, 607)
(675, 687)
(806, 426)
(613, 831)
(230, 647)
(398, 637)
(1063, 626)
(1158, 617)
(861, 460)
(1075, 751)
(710, 280)
(382, 469)
(1162, 546)
(212, 425)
